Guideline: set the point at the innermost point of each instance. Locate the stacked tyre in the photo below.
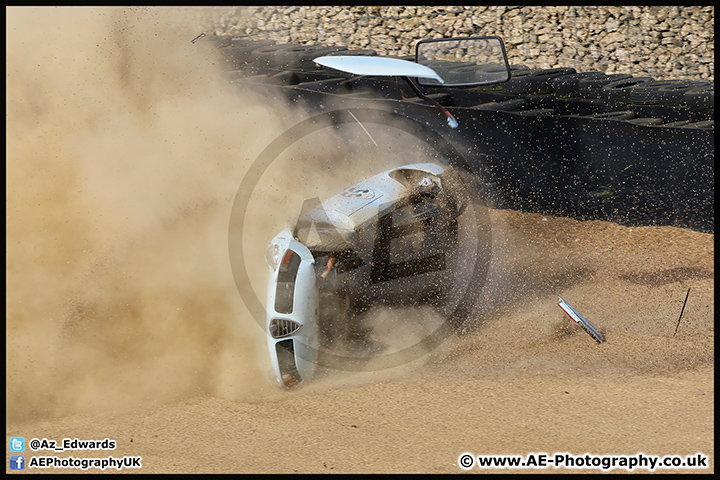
(700, 98)
(292, 56)
(237, 52)
(664, 92)
(618, 91)
(534, 82)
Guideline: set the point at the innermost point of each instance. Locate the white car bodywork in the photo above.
(293, 294)
(378, 66)
(291, 309)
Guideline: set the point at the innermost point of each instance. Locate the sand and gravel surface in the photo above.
(124, 320)
(527, 381)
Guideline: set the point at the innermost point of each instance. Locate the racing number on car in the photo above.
(358, 193)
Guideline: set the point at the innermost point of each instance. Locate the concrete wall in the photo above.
(665, 42)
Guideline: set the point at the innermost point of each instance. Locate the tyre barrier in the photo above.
(231, 42)
(645, 121)
(591, 87)
(679, 123)
(700, 98)
(503, 106)
(238, 53)
(705, 125)
(663, 92)
(567, 85)
(285, 78)
(472, 68)
(450, 66)
(535, 112)
(640, 154)
(264, 56)
(534, 82)
(619, 90)
(516, 70)
(329, 85)
(620, 115)
(363, 52)
(302, 57)
(293, 56)
(460, 74)
(444, 99)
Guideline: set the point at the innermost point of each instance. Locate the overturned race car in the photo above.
(394, 239)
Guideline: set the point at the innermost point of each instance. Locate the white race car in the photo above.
(391, 240)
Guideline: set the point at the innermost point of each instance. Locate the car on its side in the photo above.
(391, 239)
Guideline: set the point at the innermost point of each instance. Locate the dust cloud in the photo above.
(125, 147)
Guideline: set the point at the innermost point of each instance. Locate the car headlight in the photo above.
(272, 255)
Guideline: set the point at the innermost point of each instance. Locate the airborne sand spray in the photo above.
(125, 148)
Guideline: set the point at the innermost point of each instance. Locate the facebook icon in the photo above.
(17, 462)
